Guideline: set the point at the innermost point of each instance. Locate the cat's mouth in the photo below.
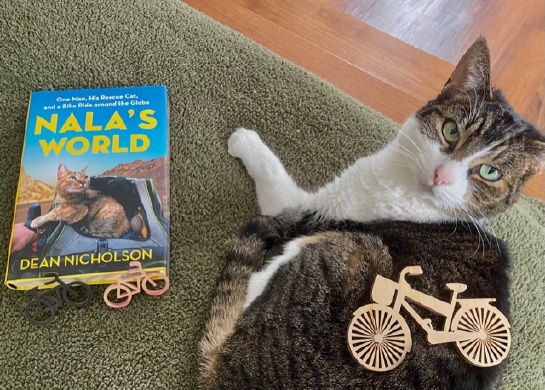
(445, 198)
(427, 189)
(79, 189)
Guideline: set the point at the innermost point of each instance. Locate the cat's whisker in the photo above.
(479, 225)
(414, 143)
(488, 226)
(476, 225)
(404, 151)
(409, 159)
(407, 154)
(455, 207)
(400, 163)
(494, 236)
(381, 143)
(454, 230)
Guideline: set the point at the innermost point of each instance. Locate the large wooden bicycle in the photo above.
(379, 338)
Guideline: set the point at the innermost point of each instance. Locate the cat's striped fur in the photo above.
(293, 336)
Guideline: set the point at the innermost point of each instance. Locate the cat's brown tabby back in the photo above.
(293, 336)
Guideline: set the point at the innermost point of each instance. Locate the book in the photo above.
(93, 191)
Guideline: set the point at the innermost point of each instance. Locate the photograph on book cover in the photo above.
(93, 191)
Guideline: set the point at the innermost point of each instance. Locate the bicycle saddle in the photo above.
(457, 287)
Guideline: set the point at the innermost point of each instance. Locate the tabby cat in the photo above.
(459, 160)
(75, 202)
(465, 155)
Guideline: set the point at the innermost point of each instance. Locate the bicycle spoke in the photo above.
(368, 353)
(398, 348)
(365, 327)
(497, 344)
(366, 322)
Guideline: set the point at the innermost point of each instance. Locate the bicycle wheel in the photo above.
(77, 294)
(378, 337)
(39, 312)
(492, 339)
(117, 296)
(156, 286)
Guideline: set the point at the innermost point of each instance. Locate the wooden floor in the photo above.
(394, 55)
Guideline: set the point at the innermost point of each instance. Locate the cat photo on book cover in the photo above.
(99, 214)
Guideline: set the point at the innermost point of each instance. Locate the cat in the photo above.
(75, 202)
(464, 155)
(421, 200)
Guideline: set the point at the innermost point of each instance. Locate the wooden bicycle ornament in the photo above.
(119, 294)
(379, 337)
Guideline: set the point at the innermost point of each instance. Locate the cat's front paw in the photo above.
(37, 222)
(241, 141)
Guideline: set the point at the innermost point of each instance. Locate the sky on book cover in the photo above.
(97, 128)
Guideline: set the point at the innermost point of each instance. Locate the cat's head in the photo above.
(470, 151)
(71, 182)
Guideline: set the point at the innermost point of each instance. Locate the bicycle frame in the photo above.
(52, 295)
(129, 280)
(405, 293)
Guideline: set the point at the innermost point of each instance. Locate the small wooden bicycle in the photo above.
(153, 283)
(379, 338)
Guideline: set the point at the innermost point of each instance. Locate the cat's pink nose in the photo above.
(443, 176)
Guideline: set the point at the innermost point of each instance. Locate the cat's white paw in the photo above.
(241, 141)
(37, 222)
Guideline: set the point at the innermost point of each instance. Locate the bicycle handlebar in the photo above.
(53, 275)
(413, 270)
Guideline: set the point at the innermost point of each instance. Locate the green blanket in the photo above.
(217, 81)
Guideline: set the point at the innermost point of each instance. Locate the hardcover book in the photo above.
(93, 191)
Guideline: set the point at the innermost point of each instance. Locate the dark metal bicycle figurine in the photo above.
(42, 309)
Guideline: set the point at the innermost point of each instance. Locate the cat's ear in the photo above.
(472, 74)
(536, 151)
(61, 170)
(84, 170)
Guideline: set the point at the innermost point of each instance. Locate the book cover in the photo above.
(93, 190)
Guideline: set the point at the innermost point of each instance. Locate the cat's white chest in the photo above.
(374, 188)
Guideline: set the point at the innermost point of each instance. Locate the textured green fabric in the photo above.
(217, 81)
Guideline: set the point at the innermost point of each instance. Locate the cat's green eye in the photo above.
(489, 173)
(86, 177)
(450, 132)
(72, 178)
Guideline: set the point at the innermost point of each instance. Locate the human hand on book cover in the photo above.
(23, 237)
